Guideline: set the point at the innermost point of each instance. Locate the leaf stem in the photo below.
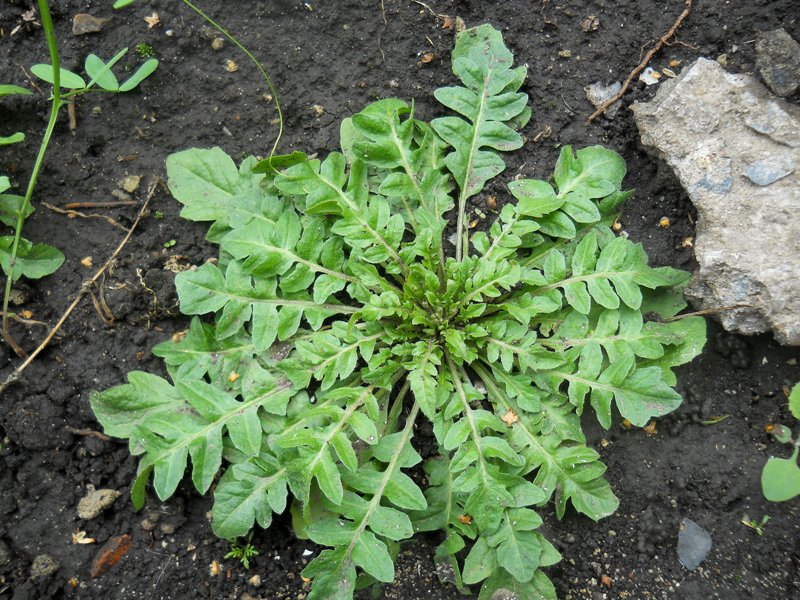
(258, 65)
(56, 103)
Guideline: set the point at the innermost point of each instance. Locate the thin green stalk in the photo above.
(255, 61)
(55, 106)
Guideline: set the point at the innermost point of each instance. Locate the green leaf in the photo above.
(780, 479)
(123, 3)
(10, 207)
(794, 402)
(33, 261)
(12, 139)
(480, 562)
(483, 64)
(7, 89)
(538, 588)
(69, 80)
(100, 72)
(248, 493)
(143, 72)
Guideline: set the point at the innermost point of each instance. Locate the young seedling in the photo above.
(18, 256)
(341, 322)
(757, 526)
(243, 552)
(780, 479)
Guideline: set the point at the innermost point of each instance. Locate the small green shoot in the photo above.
(158, 215)
(170, 243)
(243, 552)
(757, 526)
(144, 50)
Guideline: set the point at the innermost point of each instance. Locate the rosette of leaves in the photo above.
(341, 322)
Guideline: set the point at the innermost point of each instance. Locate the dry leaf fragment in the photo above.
(73, 582)
(510, 417)
(465, 519)
(491, 202)
(626, 424)
(213, 570)
(650, 428)
(426, 58)
(26, 314)
(233, 376)
(674, 63)
(668, 72)
(79, 537)
(664, 223)
(152, 20)
(460, 25)
(110, 554)
(688, 242)
(87, 262)
(448, 22)
(178, 336)
(606, 581)
(616, 225)
(565, 53)
(231, 66)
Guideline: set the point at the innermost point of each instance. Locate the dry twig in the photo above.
(75, 213)
(88, 433)
(640, 67)
(85, 288)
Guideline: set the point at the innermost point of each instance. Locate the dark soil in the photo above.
(339, 56)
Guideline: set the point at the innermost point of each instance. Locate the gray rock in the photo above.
(736, 150)
(767, 171)
(694, 544)
(5, 554)
(95, 502)
(43, 566)
(778, 61)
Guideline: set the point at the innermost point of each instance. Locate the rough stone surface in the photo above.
(736, 150)
(95, 502)
(5, 554)
(43, 566)
(778, 61)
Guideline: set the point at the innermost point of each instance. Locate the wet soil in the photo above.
(328, 59)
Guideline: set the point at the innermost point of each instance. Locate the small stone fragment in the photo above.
(767, 171)
(120, 195)
(650, 76)
(598, 94)
(778, 62)
(131, 183)
(590, 23)
(694, 544)
(84, 23)
(43, 566)
(95, 502)
(255, 580)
